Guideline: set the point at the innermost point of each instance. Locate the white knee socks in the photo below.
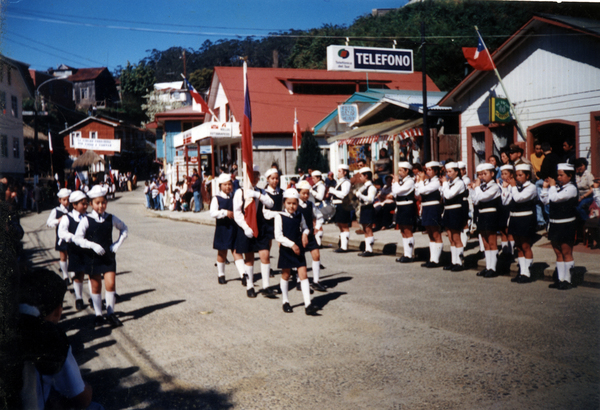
(97, 302)
(305, 291)
(241, 267)
(464, 237)
(459, 255)
(481, 247)
(250, 273)
(344, 237)
(436, 251)
(567, 274)
(491, 259)
(64, 267)
(316, 268)
(283, 284)
(265, 273)
(110, 302)
(78, 288)
(453, 255)
(409, 250)
(221, 268)
(319, 238)
(369, 244)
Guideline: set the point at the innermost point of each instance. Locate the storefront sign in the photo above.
(348, 113)
(96, 144)
(220, 130)
(500, 110)
(387, 60)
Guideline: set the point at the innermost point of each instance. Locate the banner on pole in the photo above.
(96, 144)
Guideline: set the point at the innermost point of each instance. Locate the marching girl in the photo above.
(318, 191)
(66, 231)
(487, 201)
(292, 232)
(403, 190)
(428, 188)
(464, 234)
(94, 232)
(311, 215)
(343, 215)
(245, 241)
(266, 230)
(507, 174)
(562, 196)
(521, 195)
(221, 208)
(366, 195)
(53, 220)
(453, 219)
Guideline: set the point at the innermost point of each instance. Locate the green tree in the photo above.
(310, 155)
(201, 78)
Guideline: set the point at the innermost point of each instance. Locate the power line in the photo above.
(41, 50)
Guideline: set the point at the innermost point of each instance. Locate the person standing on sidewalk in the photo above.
(366, 196)
(428, 188)
(318, 191)
(197, 192)
(453, 219)
(343, 207)
(403, 190)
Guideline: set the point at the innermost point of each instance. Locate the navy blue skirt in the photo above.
(288, 259)
(562, 233)
(523, 225)
(406, 214)
(503, 215)
(431, 215)
(312, 243)
(61, 245)
(225, 236)
(454, 218)
(367, 215)
(487, 221)
(76, 258)
(243, 244)
(96, 265)
(342, 216)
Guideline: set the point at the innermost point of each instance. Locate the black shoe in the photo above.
(431, 264)
(244, 280)
(222, 280)
(516, 278)
(405, 259)
(271, 273)
(99, 321)
(482, 273)
(113, 320)
(287, 308)
(366, 254)
(79, 304)
(276, 290)
(491, 274)
(554, 285)
(457, 268)
(524, 279)
(564, 285)
(449, 267)
(318, 287)
(311, 310)
(268, 293)
(251, 293)
(340, 250)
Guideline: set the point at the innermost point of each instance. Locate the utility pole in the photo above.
(426, 137)
(184, 70)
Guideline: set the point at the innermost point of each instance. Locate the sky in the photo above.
(109, 33)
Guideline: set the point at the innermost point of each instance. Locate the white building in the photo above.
(551, 71)
(171, 93)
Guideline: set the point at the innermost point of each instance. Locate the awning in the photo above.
(385, 131)
(218, 130)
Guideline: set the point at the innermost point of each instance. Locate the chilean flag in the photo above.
(247, 162)
(479, 58)
(197, 97)
(297, 138)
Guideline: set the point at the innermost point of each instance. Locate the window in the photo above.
(73, 135)
(8, 75)
(94, 135)
(3, 146)
(84, 93)
(1, 72)
(15, 106)
(16, 150)
(3, 102)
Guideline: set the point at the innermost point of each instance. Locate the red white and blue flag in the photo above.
(247, 161)
(197, 97)
(479, 57)
(297, 138)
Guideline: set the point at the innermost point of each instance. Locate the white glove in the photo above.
(98, 249)
(254, 194)
(249, 232)
(114, 247)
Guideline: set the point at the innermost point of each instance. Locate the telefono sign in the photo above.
(388, 60)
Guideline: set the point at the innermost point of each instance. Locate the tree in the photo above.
(154, 105)
(201, 78)
(310, 155)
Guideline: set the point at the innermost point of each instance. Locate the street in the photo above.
(389, 336)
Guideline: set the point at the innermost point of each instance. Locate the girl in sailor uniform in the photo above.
(562, 196)
(343, 208)
(53, 220)
(521, 195)
(313, 217)
(464, 234)
(245, 239)
(292, 232)
(318, 191)
(366, 196)
(485, 195)
(453, 189)
(94, 233)
(403, 189)
(507, 173)
(428, 188)
(66, 231)
(221, 208)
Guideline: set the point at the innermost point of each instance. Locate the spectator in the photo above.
(154, 194)
(568, 151)
(537, 157)
(196, 191)
(37, 198)
(162, 189)
(383, 166)
(585, 183)
(516, 154)
(547, 170)
(330, 180)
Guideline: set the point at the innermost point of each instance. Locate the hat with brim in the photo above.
(64, 193)
(344, 167)
(507, 167)
(565, 167)
(223, 178)
(303, 185)
(364, 170)
(451, 165)
(523, 167)
(461, 164)
(291, 193)
(484, 167)
(76, 196)
(433, 164)
(97, 191)
(405, 164)
(316, 173)
(270, 172)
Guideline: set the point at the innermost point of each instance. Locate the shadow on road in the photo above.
(128, 296)
(136, 314)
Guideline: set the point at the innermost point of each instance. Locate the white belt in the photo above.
(562, 221)
(524, 213)
(487, 210)
(455, 206)
(430, 203)
(404, 202)
(337, 201)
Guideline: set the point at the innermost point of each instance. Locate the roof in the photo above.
(381, 131)
(86, 74)
(105, 121)
(23, 70)
(273, 104)
(586, 26)
(186, 113)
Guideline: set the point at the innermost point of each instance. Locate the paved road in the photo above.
(387, 337)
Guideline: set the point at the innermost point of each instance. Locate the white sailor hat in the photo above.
(270, 172)
(223, 178)
(484, 166)
(433, 164)
(451, 165)
(64, 193)
(344, 166)
(565, 167)
(316, 173)
(76, 196)
(461, 164)
(405, 164)
(364, 170)
(304, 184)
(523, 167)
(291, 193)
(97, 191)
(507, 167)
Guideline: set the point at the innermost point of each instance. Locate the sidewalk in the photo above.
(389, 242)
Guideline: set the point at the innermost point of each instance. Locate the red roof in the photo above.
(273, 105)
(186, 113)
(86, 74)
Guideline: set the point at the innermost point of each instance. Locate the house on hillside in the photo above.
(92, 87)
(15, 85)
(551, 70)
(58, 92)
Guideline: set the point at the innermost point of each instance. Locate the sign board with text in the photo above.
(500, 110)
(347, 113)
(387, 60)
(96, 144)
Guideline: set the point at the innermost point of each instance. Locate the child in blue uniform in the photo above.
(366, 195)
(221, 208)
(66, 231)
(318, 191)
(403, 190)
(507, 242)
(53, 220)
(314, 222)
(485, 195)
(453, 220)
(562, 196)
(464, 234)
(292, 232)
(341, 200)
(95, 234)
(428, 188)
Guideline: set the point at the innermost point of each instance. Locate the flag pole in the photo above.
(512, 108)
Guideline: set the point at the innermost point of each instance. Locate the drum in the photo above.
(327, 209)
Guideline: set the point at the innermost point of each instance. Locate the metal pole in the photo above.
(212, 156)
(35, 140)
(426, 137)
